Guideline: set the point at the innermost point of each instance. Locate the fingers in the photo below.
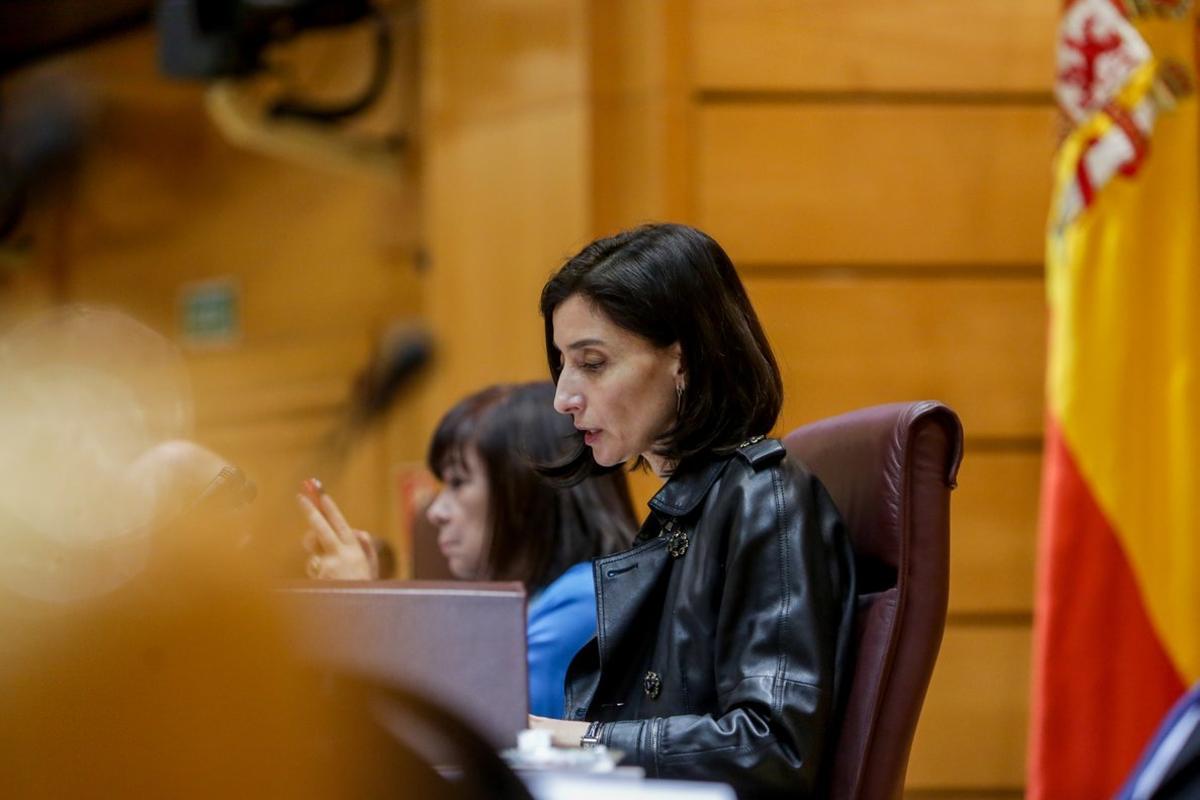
(326, 538)
(364, 541)
(314, 492)
(311, 543)
(334, 514)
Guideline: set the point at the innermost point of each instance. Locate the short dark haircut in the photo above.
(536, 530)
(672, 283)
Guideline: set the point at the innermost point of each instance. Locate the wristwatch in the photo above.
(591, 736)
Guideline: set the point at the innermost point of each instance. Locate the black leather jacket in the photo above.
(723, 635)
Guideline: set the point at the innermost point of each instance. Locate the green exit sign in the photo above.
(210, 313)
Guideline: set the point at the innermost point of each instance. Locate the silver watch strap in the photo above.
(591, 737)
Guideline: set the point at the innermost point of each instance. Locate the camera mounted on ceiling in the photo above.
(225, 39)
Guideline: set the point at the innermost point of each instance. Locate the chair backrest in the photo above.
(890, 470)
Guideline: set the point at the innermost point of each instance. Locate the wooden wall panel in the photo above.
(993, 530)
(280, 378)
(972, 729)
(273, 408)
(880, 172)
(975, 344)
(301, 246)
(640, 107)
(506, 191)
(163, 200)
(905, 45)
(274, 411)
(912, 185)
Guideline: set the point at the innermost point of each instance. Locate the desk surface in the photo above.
(583, 786)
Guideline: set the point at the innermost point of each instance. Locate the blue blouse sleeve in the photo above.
(561, 620)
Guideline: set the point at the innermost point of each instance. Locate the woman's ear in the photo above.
(676, 351)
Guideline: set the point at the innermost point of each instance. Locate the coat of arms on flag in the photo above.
(1105, 66)
(1098, 49)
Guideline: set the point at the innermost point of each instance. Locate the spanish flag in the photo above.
(1117, 618)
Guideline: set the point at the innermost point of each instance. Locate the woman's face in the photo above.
(618, 387)
(460, 512)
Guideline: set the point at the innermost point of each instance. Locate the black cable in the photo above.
(297, 108)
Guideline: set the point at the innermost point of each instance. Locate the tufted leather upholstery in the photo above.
(890, 470)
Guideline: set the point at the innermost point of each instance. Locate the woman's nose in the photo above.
(566, 400)
(437, 511)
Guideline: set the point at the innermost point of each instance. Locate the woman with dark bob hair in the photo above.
(498, 519)
(723, 635)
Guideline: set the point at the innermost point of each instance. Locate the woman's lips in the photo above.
(589, 437)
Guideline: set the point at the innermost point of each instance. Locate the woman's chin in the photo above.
(462, 570)
(604, 458)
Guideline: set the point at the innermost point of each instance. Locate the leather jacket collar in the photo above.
(685, 488)
(690, 483)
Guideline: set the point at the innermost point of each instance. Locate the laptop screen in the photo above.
(459, 644)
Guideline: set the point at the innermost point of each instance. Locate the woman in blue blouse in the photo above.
(497, 519)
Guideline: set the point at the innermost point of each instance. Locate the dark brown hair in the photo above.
(672, 283)
(536, 530)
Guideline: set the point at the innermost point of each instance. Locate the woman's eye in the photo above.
(592, 366)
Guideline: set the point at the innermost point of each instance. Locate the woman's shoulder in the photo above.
(763, 474)
(754, 464)
(761, 459)
(575, 584)
(760, 452)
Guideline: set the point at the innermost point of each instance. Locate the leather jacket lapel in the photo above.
(624, 582)
(681, 494)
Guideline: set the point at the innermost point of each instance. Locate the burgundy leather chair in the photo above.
(890, 470)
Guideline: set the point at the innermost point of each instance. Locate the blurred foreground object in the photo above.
(1170, 767)
(84, 395)
(1117, 621)
(181, 684)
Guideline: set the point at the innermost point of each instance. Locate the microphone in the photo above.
(398, 361)
(400, 357)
